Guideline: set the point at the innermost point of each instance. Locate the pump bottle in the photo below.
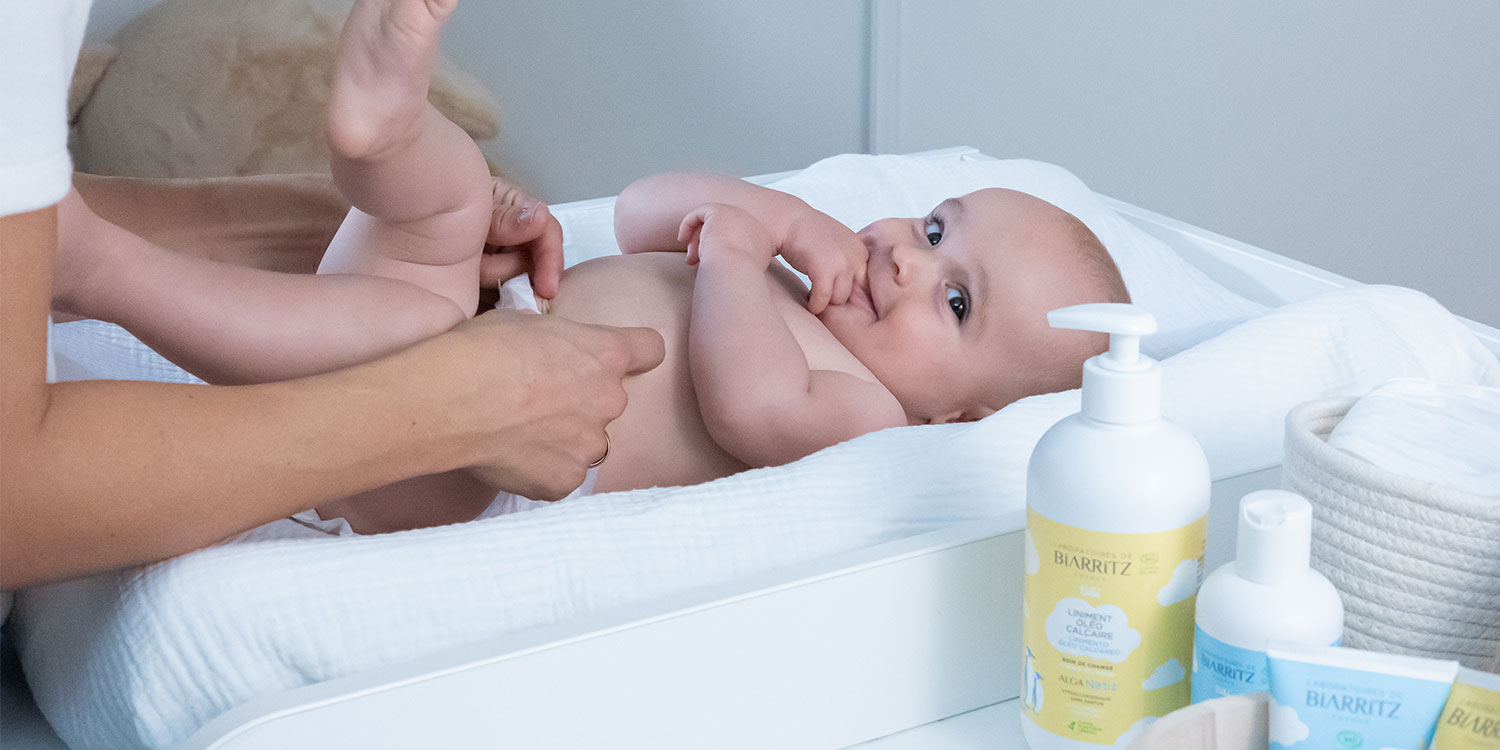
(1268, 593)
(1116, 502)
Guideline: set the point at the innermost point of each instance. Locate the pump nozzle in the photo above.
(1125, 324)
(1120, 386)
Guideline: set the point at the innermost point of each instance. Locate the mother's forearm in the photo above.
(228, 323)
(115, 473)
(233, 325)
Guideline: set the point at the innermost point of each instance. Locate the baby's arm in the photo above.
(758, 397)
(651, 209)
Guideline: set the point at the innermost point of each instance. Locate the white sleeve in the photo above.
(39, 42)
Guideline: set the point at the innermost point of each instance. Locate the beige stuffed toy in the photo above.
(206, 88)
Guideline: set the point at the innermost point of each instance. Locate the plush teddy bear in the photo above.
(206, 88)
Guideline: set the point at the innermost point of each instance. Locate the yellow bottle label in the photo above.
(1471, 720)
(1108, 627)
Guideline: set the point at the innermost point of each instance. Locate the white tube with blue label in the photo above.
(1330, 697)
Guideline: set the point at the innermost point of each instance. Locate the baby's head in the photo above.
(953, 318)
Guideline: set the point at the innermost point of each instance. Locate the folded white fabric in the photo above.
(1440, 433)
(857, 189)
(143, 658)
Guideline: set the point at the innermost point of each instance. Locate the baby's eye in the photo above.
(958, 303)
(934, 231)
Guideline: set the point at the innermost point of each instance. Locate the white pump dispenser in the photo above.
(1120, 386)
(1116, 499)
(1268, 593)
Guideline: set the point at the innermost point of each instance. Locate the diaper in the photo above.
(515, 294)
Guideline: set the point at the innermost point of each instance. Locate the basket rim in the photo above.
(1305, 419)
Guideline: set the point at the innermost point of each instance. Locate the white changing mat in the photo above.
(145, 657)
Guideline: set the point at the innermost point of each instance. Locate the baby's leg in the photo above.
(422, 205)
(419, 502)
(419, 185)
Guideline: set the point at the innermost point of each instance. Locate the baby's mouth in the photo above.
(866, 296)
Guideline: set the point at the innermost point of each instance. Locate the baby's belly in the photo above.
(660, 440)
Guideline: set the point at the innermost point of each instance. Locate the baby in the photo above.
(925, 320)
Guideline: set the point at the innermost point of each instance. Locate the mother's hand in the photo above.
(559, 385)
(524, 236)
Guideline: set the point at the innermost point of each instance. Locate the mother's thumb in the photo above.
(644, 348)
(517, 223)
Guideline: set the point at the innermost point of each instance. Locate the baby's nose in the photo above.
(882, 233)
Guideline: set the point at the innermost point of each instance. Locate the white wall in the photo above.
(107, 16)
(595, 94)
(1363, 138)
(1360, 137)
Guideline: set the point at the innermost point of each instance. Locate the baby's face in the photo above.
(954, 310)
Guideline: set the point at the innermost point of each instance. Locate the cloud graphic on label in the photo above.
(1033, 560)
(1078, 628)
(1124, 740)
(1286, 726)
(1169, 673)
(1184, 583)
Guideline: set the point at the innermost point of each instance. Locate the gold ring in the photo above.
(600, 459)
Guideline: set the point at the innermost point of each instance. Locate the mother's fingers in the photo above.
(519, 222)
(497, 268)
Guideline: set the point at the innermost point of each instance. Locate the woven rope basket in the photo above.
(1418, 565)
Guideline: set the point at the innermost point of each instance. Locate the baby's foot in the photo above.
(385, 59)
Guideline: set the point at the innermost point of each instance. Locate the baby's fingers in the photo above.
(690, 232)
(687, 231)
(817, 298)
(843, 286)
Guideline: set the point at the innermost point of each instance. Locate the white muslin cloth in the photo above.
(142, 658)
(1444, 434)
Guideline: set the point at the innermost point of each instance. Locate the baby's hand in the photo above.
(720, 228)
(830, 254)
